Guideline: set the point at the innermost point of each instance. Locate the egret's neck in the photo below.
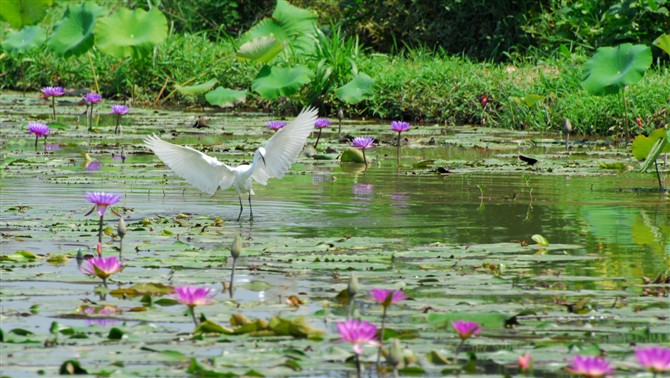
(258, 158)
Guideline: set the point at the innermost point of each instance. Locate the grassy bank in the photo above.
(417, 86)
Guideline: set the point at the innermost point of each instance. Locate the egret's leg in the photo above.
(240, 214)
(251, 210)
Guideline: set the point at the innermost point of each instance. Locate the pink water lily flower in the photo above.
(655, 359)
(102, 267)
(466, 329)
(525, 362)
(320, 123)
(388, 297)
(119, 109)
(194, 295)
(102, 200)
(40, 130)
(590, 366)
(358, 333)
(362, 142)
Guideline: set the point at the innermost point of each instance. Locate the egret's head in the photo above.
(261, 154)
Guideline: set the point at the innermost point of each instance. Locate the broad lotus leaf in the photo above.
(20, 13)
(225, 97)
(613, 68)
(357, 90)
(129, 33)
(195, 90)
(73, 35)
(642, 145)
(288, 24)
(260, 50)
(660, 145)
(29, 38)
(272, 82)
(663, 43)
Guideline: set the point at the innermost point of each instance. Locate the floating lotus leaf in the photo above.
(613, 68)
(129, 33)
(29, 38)
(273, 82)
(260, 50)
(357, 90)
(225, 97)
(663, 43)
(195, 90)
(73, 35)
(19, 13)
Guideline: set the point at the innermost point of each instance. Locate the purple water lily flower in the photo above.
(358, 333)
(320, 123)
(363, 143)
(276, 125)
(53, 92)
(387, 297)
(654, 359)
(102, 200)
(93, 166)
(40, 130)
(93, 98)
(102, 267)
(399, 126)
(119, 110)
(466, 329)
(590, 367)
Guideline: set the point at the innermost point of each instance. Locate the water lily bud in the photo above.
(236, 247)
(353, 286)
(121, 228)
(395, 356)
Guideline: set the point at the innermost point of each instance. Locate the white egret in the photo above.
(208, 174)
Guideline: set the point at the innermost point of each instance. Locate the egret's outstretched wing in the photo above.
(285, 146)
(200, 170)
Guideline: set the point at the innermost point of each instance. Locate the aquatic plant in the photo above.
(193, 296)
(118, 111)
(235, 251)
(40, 130)
(102, 201)
(320, 123)
(53, 92)
(654, 359)
(358, 333)
(102, 267)
(399, 127)
(363, 143)
(121, 230)
(352, 289)
(589, 366)
(275, 125)
(465, 329)
(525, 362)
(386, 298)
(91, 99)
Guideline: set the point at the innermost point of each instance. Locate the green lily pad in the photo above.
(613, 68)
(128, 33)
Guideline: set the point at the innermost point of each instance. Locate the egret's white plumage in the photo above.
(208, 174)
